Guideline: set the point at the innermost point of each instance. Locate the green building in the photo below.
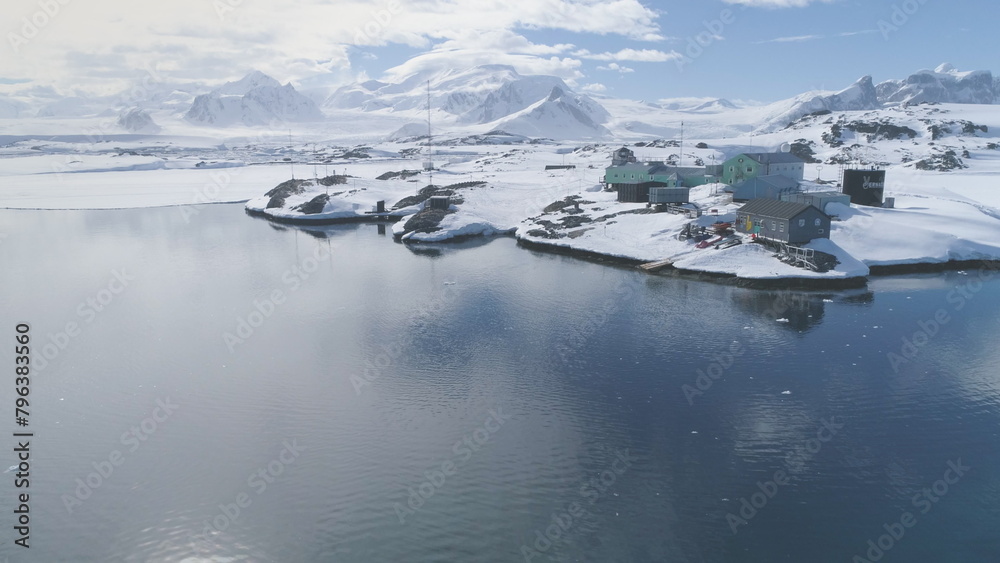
(656, 172)
(745, 166)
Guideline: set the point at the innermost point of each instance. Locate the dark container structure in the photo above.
(669, 195)
(866, 187)
(439, 202)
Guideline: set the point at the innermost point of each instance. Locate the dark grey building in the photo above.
(669, 195)
(622, 157)
(785, 221)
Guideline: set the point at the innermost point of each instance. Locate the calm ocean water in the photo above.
(225, 389)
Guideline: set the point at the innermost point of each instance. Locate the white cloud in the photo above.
(617, 67)
(643, 55)
(776, 3)
(803, 38)
(97, 45)
(792, 39)
(500, 40)
(440, 60)
(594, 87)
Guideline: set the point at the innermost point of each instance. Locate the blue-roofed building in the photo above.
(763, 187)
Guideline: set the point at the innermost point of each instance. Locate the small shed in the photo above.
(669, 195)
(786, 221)
(763, 187)
(439, 202)
(636, 193)
(818, 199)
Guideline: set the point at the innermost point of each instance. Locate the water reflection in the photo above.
(443, 341)
(799, 311)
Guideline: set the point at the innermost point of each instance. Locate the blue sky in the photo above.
(760, 50)
(766, 52)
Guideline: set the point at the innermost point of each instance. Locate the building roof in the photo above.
(774, 180)
(640, 167)
(775, 209)
(774, 157)
(658, 168)
(824, 194)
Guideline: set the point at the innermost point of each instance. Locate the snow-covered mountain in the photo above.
(706, 105)
(944, 84)
(73, 106)
(858, 96)
(256, 99)
(560, 115)
(10, 108)
(468, 101)
(486, 94)
(137, 120)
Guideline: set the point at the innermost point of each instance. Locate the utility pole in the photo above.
(680, 161)
(430, 159)
(291, 159)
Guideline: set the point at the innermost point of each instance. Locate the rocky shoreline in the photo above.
(804, 283)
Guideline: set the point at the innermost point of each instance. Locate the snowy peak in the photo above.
(255, 79)
(486, 94)
(704, 105)
(137, 120)
(256, 99)
(513, 94)
(10, 108)
(560, 115)
(858, 96)
(944, 84)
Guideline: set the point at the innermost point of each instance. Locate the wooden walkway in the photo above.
(654, 266)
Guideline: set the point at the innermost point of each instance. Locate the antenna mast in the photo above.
(680, 161)
(429, 165)
(291, 160)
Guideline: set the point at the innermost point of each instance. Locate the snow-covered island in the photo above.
(527, 156)
(500, 184)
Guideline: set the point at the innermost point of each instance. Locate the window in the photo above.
(749, 170)
(802, 222)
(820, 231)
(781, 227)
(774, 226)
(817, 223)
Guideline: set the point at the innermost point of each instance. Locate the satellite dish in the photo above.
(785, 147)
